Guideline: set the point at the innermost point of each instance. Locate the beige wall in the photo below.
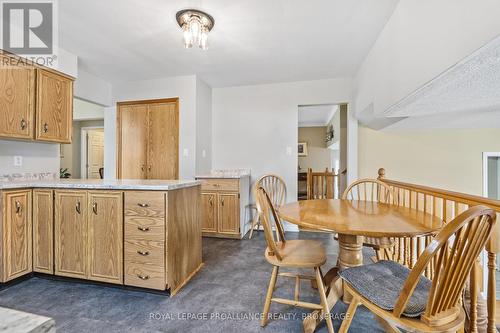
(319, 157)
(450, 159)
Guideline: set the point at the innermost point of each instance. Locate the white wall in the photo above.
(83, 110)
(37, 157)
(183, 87)
(422, 39)
(93, 89)
(203, 127)
(254, 125)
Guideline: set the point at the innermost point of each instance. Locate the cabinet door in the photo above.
(132, 145)
(54, 107)
(70, 233)
(17, 85)
(209, 212)
(163, 145)
(229, 213)
(105, 236)
(43, 228)
(17, 250)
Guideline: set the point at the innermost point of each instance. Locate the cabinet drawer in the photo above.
(144, 228)
(145, 251)
(144, 275)
(220, 185)
(145, 204)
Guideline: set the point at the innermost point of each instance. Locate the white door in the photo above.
(95, 153)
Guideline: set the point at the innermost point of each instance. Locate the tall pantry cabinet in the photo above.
(148, 139)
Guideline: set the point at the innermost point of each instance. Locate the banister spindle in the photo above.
(491, 300)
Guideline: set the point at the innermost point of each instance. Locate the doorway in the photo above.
(92, 152)
(322, 144)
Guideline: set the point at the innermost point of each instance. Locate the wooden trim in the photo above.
(188, 278)
(149, 101)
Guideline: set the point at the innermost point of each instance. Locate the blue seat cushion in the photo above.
(381, 283)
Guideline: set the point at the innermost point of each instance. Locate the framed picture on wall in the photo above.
(302, 149)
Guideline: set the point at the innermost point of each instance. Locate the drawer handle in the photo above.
(23, 124)
(143, 205)
(19, 207)
(143, 253)
(45, 128)
(141, 228)
(222, 201)
(78, 207)
(94, 208)
(143, 277)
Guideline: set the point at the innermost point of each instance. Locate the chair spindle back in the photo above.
(369, 190)
(270, 218)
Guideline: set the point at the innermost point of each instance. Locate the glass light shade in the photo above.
(195, 29)
(187, 36)
(204, 39)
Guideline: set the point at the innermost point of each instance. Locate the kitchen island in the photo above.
(138, 233)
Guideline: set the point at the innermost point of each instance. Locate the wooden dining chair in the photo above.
(376, 191)
(275, 187)
(320, 185)
(296, 254)
(405, 298)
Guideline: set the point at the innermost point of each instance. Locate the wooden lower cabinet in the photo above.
(70, 230)
(43, 231)
(223, 203)
(229, 213)
(16, 246)
(88, 235)
(105, 236)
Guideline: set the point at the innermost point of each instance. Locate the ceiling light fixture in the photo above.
(195, 26)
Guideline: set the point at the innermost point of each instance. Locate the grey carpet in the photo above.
(232, 284)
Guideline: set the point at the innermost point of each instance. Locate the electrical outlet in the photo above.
(18, 161)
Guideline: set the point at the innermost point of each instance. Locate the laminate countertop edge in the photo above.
(14, 321)
(122, 184)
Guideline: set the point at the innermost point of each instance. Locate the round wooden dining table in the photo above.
(353, 219)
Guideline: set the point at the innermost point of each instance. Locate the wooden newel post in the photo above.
(381, 173)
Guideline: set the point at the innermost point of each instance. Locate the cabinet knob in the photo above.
(143, 253)
(222, 201)
(143, 277)
(143, 205)
(19, 207)
(211, 201)
(141, 228)
(94, 208)
(23, 124)
(78, 207)
(45, 128)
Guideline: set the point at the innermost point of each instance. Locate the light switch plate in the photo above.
(204, 153)
(18, 161)
(289, 151)
(185, 152)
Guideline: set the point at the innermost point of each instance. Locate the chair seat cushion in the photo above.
(381, 283)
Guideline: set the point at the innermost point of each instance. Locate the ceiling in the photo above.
(316, 115)
(253, 41)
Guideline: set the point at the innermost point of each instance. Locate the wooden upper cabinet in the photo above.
(43, 231)
(54, 107)
(133, 141)
(70, 233)
(209, 212)
(148, 139)
(163, 144)
(105, 236)
(16, 235)
(229, 213)
(17, 100)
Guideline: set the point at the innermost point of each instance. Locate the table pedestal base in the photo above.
(350, 255)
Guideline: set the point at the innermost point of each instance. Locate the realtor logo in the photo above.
(28, 27)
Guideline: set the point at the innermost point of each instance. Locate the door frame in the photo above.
(119, 128)
(484, 256)
(83, 149)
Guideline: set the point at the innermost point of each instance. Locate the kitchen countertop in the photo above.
(14, 321)
(98, 184)
(230, 174)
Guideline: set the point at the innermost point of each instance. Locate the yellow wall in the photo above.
(449, 159)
